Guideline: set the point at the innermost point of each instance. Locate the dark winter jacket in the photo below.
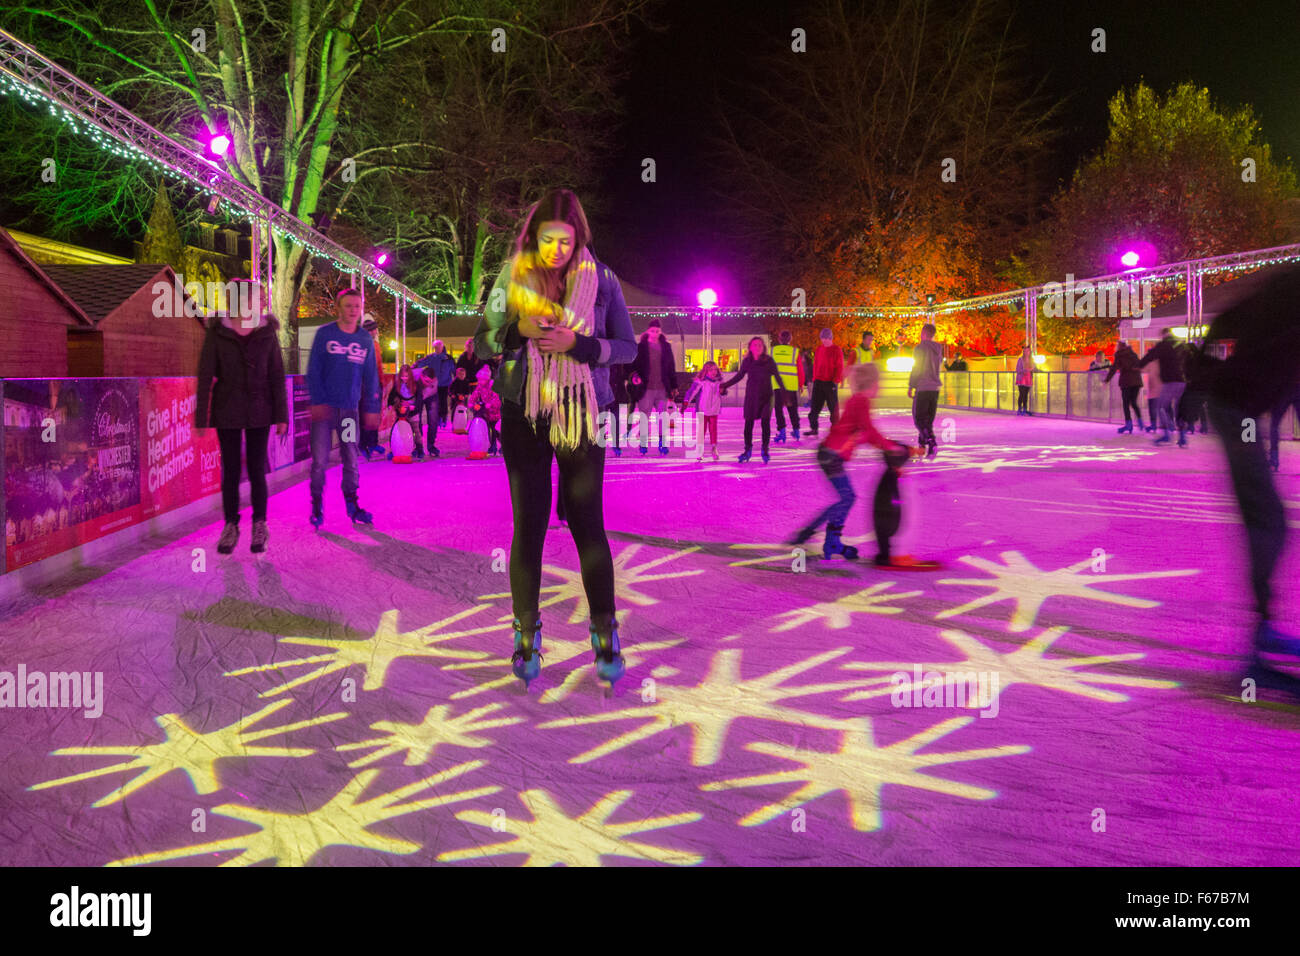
(471, 363)
(611, 342)
(758, 383)
(1170, 356)
(641, 367)
(1127, 366)
(241, 378)
(1265, 363)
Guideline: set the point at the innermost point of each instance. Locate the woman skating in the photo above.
(559, 325)
(758, 370)
(241, 393)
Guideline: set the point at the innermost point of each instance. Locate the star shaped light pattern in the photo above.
(187, 749)
(552, 836)
(860, 768)
(1016, 579)
(1025, 665)
(292, 839)
(438, 729)
(556, 651)
(627, 577)
(376, 654)
(711, 706)
(838, 614)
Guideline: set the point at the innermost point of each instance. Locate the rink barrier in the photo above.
(1080, 395)
(86, 459)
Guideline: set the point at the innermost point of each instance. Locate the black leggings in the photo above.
(762, 413)
(528, 457)
(231, 468)
(1022, 402)
(1129, 394)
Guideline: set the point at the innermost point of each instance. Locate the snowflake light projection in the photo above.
(860, 768)
(710, 707)
(627, 578)
(438, 729)
(293, 839)
(1018, 580)
(189, 750)
(376, 654)
(1028, 664)
(838, 614)
(551, 836)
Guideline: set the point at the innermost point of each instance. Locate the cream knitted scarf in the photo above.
(558, 388)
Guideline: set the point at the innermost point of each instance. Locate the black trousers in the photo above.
(528, 456)
(1129, 395)
(230, 439)
(827, 394)
(1022, 401)
(924, 407)
(787, 400)
(761, 411)
(1261, 508)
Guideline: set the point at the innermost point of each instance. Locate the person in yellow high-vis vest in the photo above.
(866, 351)
(788, 382)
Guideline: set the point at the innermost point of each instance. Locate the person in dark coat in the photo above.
(1290, 400)
(241, 393)
(653, 377)
(470, 362)
(757, 369)
(1191, 408)
(1262, 370)
(1173, 383)
(1130, 384)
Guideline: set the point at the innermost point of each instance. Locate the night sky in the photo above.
(663, 236)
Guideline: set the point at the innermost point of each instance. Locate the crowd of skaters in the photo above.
(563, 347)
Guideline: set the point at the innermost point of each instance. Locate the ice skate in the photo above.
(833, 545)
(745, 456)
(780, 436)
(610, 665)
(360, 515)
(317, 513)
(527, 658)
(229, 538)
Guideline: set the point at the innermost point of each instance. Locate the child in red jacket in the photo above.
(853, 428)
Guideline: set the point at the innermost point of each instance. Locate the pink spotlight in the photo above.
(220, 144)
(1130, 258)
(707, 298)
(381, 258)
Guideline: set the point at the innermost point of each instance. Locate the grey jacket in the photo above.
(613, 342)
(927, 360)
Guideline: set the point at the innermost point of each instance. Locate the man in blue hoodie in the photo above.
(341, 375)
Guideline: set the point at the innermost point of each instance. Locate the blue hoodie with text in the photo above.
(341, 371)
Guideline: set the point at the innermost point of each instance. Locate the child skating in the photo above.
(707, 387)
(485, 403)
(853, 427)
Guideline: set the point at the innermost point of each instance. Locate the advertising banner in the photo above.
(179, 464)
(72, 463)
